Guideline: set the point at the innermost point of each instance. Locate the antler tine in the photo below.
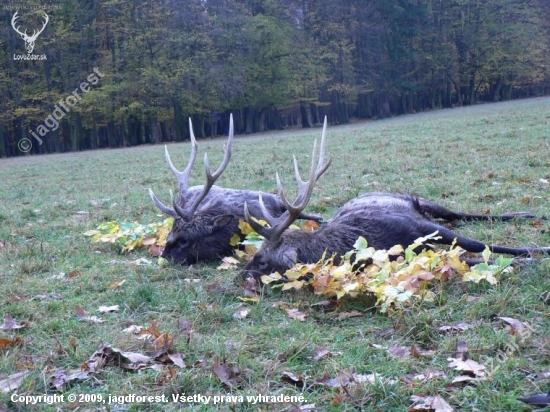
(183, 176)
(163, 208)
(305, 189)
(212, 177)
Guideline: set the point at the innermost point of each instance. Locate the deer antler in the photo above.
(305, 189)
(183, 176)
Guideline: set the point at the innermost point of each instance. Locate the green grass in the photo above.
(478, 159)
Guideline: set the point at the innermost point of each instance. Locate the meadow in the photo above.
(342, 355)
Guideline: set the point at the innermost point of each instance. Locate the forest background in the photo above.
(272, 63)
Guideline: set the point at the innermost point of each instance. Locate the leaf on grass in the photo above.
(425, 376)
(133, 329)
(352, 314)
(430, 403)
(471, 367)
(457, 327)
(11, 324)
(292, 378)
(229, 375)
(228, 263)
(321, 352)
(241, 313)
(73, 274)
(106, 309)
(249, 300)
(461, 350)
(295, 314)
(116, 284)
(8, 343)
(60, 377)
(83, 315)
(516, 327)
(12, 382)
(402, 352)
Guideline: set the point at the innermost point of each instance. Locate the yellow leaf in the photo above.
(235, 239)
(296, 284)
(91, 232)
(249, 300)
(486, 254)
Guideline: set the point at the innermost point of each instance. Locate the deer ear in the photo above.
(290, 257)
(222, 221)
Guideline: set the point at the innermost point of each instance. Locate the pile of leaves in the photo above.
(128, 236)
(396, 277)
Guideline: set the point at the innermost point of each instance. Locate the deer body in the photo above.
(383, 219)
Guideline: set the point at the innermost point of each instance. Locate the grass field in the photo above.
(490, 158)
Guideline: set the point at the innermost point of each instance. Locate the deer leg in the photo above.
(440, 212)
(472, 245)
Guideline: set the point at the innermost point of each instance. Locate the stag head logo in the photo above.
(29, 40)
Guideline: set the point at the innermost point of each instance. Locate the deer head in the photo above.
(29, 40)
(279, 250)
(193, 235)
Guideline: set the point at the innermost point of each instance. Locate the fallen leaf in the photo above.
(469, 366)
(10, 324)
(321, 352)
(8, 343)
(292, 378)
(345, 315)
(457, 327)
(83, 315)
(241, 313)
(402, 352)
(106, 309)
(12, 382)
(116, 284)
(430, 403)
(73, 274)
(228, 263)
(296, 314)
(228, 375)
(516, 327)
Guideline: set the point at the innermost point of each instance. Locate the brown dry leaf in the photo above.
(11, 324)
(425, 376)
(133, 329)
(402, 352)
(163, 342)
(321, 352)
(107, 355)
(155, 250)
(469, 366)
(241, 313)
(228, 263)
(168, 375)
(345, 315)
(106, 309)
(228, 375)
(251, 287)
(525, 199)
(153, 331)
(292, 378)
(430, 403)
(116, 284)
(296, 314)
(457, 327)
(148, 241)
(73, 274)
(536, 223)
(310, 226)
(12, 382)
(417, 351)
(516, 327)
(177, 359)
(83, 315)
(7, 343)
(213, 287)
(60, 377)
